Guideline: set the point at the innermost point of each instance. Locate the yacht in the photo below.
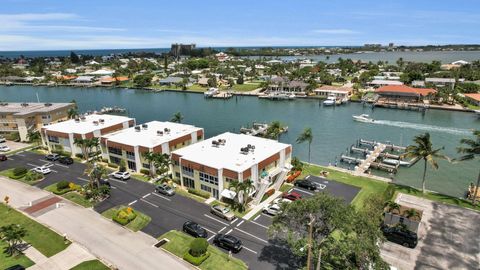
(211, 92)
(280, 96)
(477, 112)
(363, 118)
(330, 101)
(396, 162)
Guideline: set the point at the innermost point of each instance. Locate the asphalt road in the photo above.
(169, 213)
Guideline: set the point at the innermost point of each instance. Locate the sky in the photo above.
(109, 24)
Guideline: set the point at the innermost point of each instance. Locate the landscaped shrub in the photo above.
(145, 171)
(78, 155)
(33, 176)
(198, 247)
(124, 216)
(105, 160)
(195, 260)
(19, 171)
(122, 166)
(389, 192)
(270, 192)
(112, 165)
(200, 193)
(63, 185)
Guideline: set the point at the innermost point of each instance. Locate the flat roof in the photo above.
(149, 137)
(228, 156)
(87, 125)
(27, 108)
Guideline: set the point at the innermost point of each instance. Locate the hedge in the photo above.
(63, 185)
(19, 171)
(200, 193)
(124, 216)
(112, 165)
(33, 176)
(195, 260)
(145, 171)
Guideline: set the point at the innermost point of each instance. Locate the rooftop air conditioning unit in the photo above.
(214, 143)
(167, 130)
(221, 141)
(48, 104)
(244, 150)
(102, 121)
(77, 120)
(159, 133)
(137, 128)
(24, 104)
(144, 126)
(95, 123)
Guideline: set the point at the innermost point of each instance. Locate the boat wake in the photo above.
(454, 131)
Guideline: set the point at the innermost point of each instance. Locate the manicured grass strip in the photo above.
(8, 261)
(78, 199)
(180, 243)
(9, 173)
(182, 192)
(137, 224)
(246, 87)
(286, 187)
(19, 150)
(91, 265)
(53, 188)
(368, 186)
(42, 238)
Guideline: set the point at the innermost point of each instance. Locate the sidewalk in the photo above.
(66, 259)
(112, 243)
(260, 206)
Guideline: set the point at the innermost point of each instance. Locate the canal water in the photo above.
(333, 128)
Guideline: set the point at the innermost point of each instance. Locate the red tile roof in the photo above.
(335, 88)
(405, 89)
(475, 96)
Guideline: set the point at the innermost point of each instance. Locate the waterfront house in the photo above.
(441, 82)
(474, 98)
(203, 82)
(222, 57)
(61, 136)
(403, 93)
(212, 164)
(341, 93)
(281, 84)
(107, 80)
(84, 79)
(169, 81)
(101, 72)
(157, 137)
(26, 117)
(380, 83)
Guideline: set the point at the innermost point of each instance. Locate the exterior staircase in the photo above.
(264, 185)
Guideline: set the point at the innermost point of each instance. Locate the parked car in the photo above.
(2, 139)
(66, 160)
(400, 236)
(194, 229)
(42, 170)
(165, 189)
(279, 201)
(104, 182)
(3, 157)
(228, 242)
(4, 148)
(307, 184)
(121, 175)
(15, 267)
(292, 196)
(271, 209)
(52, 157)
(223, 212)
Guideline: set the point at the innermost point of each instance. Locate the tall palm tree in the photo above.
(411, 214)
(150, 158)
(245, 188)
(391, 205)
(87, 146)
(72, 113)
(471, 151)
(306, 136)
(34, 137)
(177, 117)
(274, 130)
(423, 149)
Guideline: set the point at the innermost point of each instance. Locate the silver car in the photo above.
(223, 212)
(165, 189)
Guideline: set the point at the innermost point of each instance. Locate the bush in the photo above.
(124, 216)
(62, 153)
(123, 166)
(200, 193)
(63, 185)
(389, 192)
(270, 192)
(113, 165)
(33, 176)
(105, 160)
(78, 155)
(195, 260)
(145, 171)
(198, 247)
(19, 171)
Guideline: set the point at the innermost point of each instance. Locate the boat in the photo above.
(477, 112)
(396, 162)
(363, 118)
(279, 96)
(211, 92)
(330, 101)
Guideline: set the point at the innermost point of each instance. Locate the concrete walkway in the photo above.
(121, 248)
(260, 206)
(68, 258)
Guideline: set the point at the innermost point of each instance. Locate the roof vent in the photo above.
(159, 133)
(4, 104)
(77, 120)
(166, 130)
(137, 128)
(48, 104)
(144, 126)
(101, 120)
(95, 123)
(222, 141)
(215, 143)
(24, 104)
(83, 118)
(244, 150)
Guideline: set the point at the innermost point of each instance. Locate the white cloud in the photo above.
(338, 31)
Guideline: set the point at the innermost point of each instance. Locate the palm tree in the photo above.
(34, 137)
(150, 158)
(306, 136)
(162, 163)
(274, 130)
(423, 149)
(72, 113)
(245, 188)
(471, 151)
(87, 146)
(177, 117)
(391, 205)
(411, 214)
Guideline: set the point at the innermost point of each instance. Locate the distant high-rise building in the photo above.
(372, 45)
(391, 45)
(179, 49)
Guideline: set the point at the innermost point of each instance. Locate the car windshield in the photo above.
(225, 210)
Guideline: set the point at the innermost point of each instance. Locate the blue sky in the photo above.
(88, 24)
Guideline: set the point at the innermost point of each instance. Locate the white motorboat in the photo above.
(211, 92)
(363, 118)
(477, 112)
(396, 162)
(330, 101)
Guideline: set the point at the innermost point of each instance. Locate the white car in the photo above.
(279, 201)
(4, 148)
(272, 209)
(42, 170)
(121, 175)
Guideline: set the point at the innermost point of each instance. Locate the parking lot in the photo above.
(169, 213)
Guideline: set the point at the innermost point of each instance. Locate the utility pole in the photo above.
(310, 236)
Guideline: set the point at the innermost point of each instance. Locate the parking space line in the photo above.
(119, 181)
(43, 160)
(152, 204)
(10, 158)
(209, 230)
(247, 233)
(210, 238)
(222, 229)
(256, 217)
(224, 223)
(145, 196)
(62, 166)
(83, 179)
(241, 222)
(303, 191)
(263, 226)
(265, 216)
(233, 221)
(229, 231)
(33, 165)
(249, 250)
(132, 202)
(160, 196)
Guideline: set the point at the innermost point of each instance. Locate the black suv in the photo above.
(52, 157)
(66, 160)
(400, 236)
(306, 184)
(194, 229)
(228, 242)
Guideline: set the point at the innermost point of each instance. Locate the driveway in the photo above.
(448, 238)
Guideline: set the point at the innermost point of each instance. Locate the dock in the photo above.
(388, 146)
(222, 95)
(370, 158)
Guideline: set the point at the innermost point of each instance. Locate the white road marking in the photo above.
(229, 231)
(152, 204)
(33, 165)
(249, 249)
(266, 216)
(263, 226)
(132, 202)
(256, 217)
(241, 222)
(17, 154)
(83, 179)
(247, 233)
(116, 180)
(224, 223)
(222, 229)
(10, 158)
(210, 238)
(233, 221)
(209, 230)
(303, 191)
(145, 196)
(113, 187)
(64, 166)
(160, 196)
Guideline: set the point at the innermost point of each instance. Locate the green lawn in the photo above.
(19, 150)
(180, 191)
(141, 177)
(91, 265)
(8, 261)
(368, 186)
(42, 238)
(78, 199)
(246, 87)
(9, 173)
(53, 188)
(135, 225)
(179, 244)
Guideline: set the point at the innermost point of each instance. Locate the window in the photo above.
(177, 175)
(132, 165)
(175, 163)
(206, 188)
(189, 182)
(130, 155)
(115, 151)
(146, 165)
(53, 139)
(229, 180)
(187, 171)
(46, 116)
(204, 177)
(115, 160)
